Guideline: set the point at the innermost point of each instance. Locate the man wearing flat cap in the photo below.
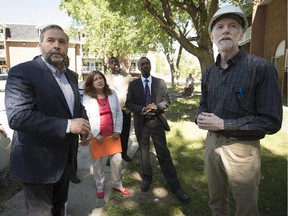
(240, 104)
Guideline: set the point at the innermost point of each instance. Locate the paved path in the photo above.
(82, 197)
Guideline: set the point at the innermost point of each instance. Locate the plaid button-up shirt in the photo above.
(246, 95)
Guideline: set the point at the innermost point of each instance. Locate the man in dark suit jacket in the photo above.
(74, 165)
(44, 110)
(148, 105)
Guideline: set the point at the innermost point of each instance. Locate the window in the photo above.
(133, 67)
(98, 66)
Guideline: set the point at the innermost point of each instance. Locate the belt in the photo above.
(242, 138)
(150, 115)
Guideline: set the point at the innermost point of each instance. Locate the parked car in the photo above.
(3, 79)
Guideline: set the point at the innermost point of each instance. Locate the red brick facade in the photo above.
(276, 26)
(269, 29)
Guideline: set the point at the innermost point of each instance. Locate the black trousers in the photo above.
(74, 164)
(125, 132)
(47, 199)
(154, 128)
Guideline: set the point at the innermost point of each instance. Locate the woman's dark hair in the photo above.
(89, 88)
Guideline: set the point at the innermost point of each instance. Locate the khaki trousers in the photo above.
(116, 172)
(235, 165)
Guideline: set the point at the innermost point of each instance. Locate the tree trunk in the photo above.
(170, 61)
(179, 56)
(205, 62)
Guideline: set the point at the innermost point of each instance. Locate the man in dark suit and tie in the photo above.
(147, 98)
(44, 110)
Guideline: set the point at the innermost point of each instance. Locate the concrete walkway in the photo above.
(82, 197)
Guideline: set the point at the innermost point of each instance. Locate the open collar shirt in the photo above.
(63, 84)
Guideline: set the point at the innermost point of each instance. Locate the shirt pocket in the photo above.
(238, 101)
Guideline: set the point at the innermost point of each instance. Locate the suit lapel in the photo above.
(141, 90)
(54, 87)
(75, 90)
(153, 89)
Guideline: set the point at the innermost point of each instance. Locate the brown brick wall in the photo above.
(276, 26)
(269, 28)
(258, 31)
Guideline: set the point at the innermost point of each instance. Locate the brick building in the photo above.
(267, 36)
(19, 43)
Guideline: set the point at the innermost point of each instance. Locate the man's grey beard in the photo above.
(57, 64)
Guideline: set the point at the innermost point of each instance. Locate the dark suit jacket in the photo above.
(135, 101)
(37, 112)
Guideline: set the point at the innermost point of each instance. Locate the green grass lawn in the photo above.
(186, 144)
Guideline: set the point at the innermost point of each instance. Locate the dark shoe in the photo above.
(182, 196)
(145, 185)
(126, 158)
(75, 179)
(108, 162)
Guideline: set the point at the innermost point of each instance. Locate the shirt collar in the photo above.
(52, 68)
(233, 60)
(149, 78)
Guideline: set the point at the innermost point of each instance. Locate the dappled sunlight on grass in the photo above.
(160, 192)
(277, 143)
(186, 143)
(273, 186)
(196, 145)
(129, 204)
(136, 176)
(278, 140)
(186, 130)
(182, 108)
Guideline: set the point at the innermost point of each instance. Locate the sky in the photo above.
(33, 12)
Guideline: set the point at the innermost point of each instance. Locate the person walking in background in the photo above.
(147, 98)
(44, 110)
(105, 116)
(119, 81)
(240, 103)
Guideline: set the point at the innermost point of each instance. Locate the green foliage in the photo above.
(161, 64)
(189, 64)
(246, 7)
(107, 32)
(123, 27)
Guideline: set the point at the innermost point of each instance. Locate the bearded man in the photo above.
(44, 110)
